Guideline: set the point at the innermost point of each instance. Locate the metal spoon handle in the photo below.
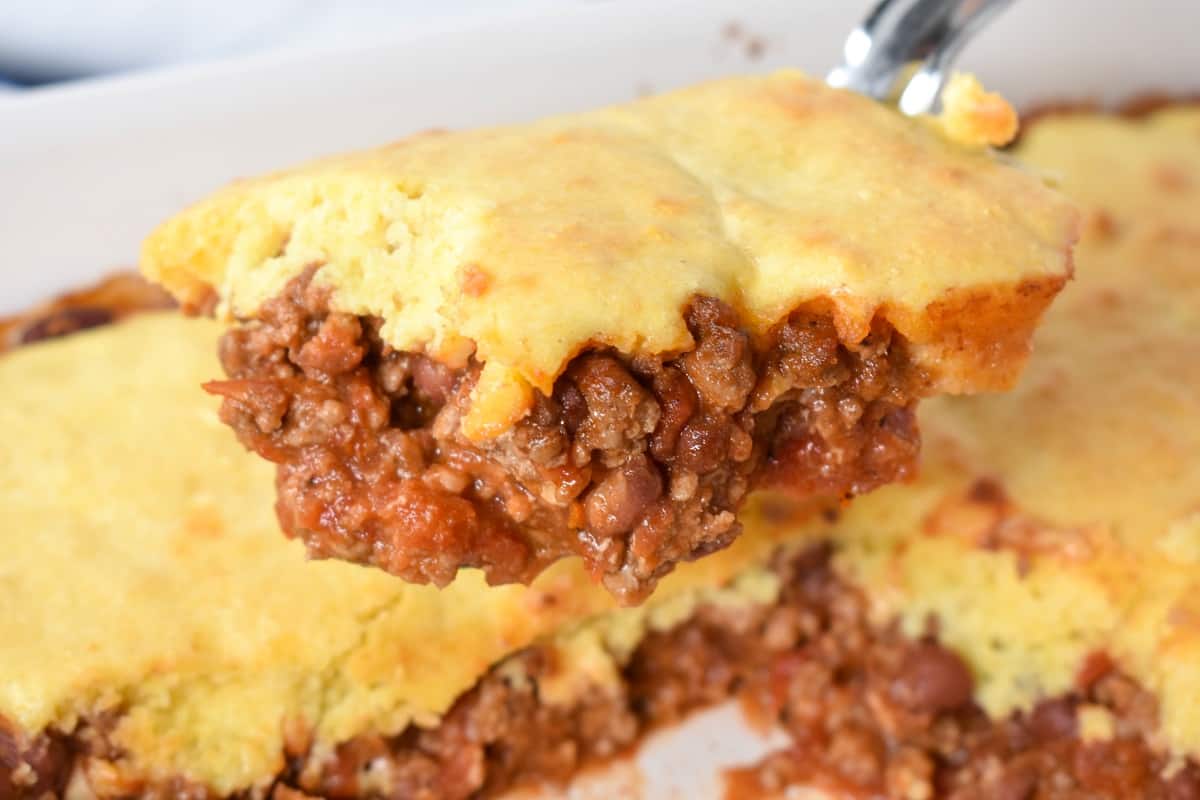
(897, 33)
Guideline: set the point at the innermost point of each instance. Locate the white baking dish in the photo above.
(88, 169)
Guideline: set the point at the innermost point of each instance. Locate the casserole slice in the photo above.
(593, 335)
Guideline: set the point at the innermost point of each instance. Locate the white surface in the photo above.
(87, 170)
(680, 763)
(57, 39)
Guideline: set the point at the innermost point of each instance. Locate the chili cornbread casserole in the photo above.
(1021, 622)
(594, 334)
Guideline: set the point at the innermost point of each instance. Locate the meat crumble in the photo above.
(635, 464)
(870, 712)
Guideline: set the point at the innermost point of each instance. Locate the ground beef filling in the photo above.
(871, 713)
(633, 464)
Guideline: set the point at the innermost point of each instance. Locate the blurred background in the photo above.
(49, 41)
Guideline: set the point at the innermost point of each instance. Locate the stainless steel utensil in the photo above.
(898, 33)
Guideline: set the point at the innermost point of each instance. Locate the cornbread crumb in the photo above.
(974, 117)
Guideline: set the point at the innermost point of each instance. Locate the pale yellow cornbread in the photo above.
(524, 245)
(143, 571)
(1063, 518)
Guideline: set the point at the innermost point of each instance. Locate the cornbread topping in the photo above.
(594, 334)
(596, 230)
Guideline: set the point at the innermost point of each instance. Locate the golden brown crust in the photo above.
(982, 330)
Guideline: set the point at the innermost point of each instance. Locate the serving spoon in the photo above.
(898, 33)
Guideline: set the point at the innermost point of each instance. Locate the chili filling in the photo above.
(632, 464)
